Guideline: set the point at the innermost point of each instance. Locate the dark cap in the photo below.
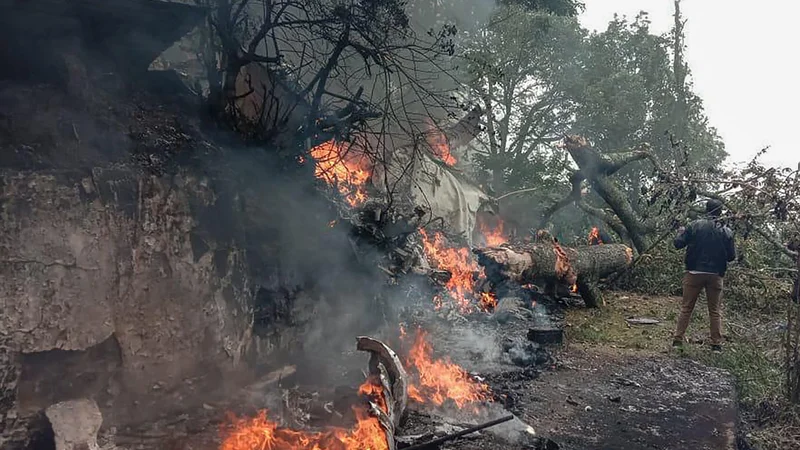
(714, 207)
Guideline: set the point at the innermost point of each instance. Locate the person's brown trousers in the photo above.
(693, 284)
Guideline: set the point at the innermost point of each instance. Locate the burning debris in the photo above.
(343, 166)
(493, 234)
(261, 433)
(463, 274)
(463, 270)
(439, 144)
(594, 237)
(384, 396)
(439, 381)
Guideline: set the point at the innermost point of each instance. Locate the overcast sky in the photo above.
(743, 58)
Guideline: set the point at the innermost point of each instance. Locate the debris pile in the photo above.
(380, 410)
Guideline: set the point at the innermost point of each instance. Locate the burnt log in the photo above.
(579, 267)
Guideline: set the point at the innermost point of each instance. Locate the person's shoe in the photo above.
(677, 343)
(716, 348)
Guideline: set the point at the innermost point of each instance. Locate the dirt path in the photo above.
(603, 400)
(620, 386)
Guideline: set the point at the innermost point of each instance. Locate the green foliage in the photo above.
(747, 289)
(631, 95)
(557, 7)
(519, 69)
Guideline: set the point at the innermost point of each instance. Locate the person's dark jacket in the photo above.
(709, 246)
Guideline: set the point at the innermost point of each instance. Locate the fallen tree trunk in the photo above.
(580, 267)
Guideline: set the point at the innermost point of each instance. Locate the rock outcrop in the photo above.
(75, 424)
(127, 267)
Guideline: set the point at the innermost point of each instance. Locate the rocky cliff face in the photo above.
(147, 265)
(123, 265)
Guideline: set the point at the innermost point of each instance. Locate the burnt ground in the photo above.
(577, 396)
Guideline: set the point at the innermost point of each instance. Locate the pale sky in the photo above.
(744, 62)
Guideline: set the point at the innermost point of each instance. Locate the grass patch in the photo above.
(758, 374)
(778, 427)
(607, 326)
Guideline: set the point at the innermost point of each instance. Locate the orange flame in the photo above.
(574, 287)
(457, 261)
(439, 145)
(488, 301)
(494, 236)
(594, 237)
(260, 433)
(441, 379)
(341, 166)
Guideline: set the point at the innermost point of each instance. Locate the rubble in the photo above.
(75, 424)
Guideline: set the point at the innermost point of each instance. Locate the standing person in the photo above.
(709, 248)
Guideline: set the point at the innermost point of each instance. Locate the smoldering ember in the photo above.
(379, 225)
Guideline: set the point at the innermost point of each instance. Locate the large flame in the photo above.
(261, 433)
(594, 237)
(439, 380)
(494, 236)
(457, 261)
(439, 145)
(342, 166)
(463, 269)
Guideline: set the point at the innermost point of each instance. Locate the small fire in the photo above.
(594, 237)
(574, 287)
(457, 261)
(340, 165)
(441, 379)
(260, 433)
(494, 236)
(488, 301)
(439, 145)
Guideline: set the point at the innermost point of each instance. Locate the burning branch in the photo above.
(343, 166)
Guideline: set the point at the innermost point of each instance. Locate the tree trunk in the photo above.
(597, 170)
(579, 267)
